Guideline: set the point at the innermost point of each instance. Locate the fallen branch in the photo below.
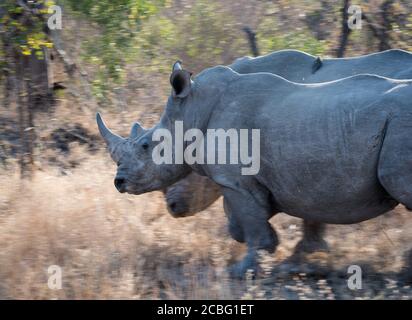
(78, 136)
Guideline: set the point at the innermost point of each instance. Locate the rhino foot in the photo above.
(304, 246)
(248, 221)
(313, 239)
(247, 268)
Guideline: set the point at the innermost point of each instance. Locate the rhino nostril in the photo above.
(145, 146)
(119, 183)
(177, 209)
(172, 206)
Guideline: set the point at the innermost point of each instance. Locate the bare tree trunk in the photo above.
(251, 36)
(382, 32)
(9, 87)
(26, 101)
(345, 31)
(33, 97)
(386, 11)
(371, 25)
(9, 71)
(21, 110)
(33, 85)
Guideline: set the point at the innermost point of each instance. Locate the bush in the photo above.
(203, 36)
(270, 39)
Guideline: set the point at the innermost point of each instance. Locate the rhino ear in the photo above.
(177, 66)
(136, 131)
(180, 81)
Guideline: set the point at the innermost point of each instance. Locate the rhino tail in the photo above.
(317, 64)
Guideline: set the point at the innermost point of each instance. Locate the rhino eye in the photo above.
(145, 145)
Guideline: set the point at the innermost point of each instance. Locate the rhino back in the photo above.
(394, 63)
(320, 143)
(293, 65)
(298, 66)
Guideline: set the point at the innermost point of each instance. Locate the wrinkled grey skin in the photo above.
(195, 193)
(297, 66)
(336, 152)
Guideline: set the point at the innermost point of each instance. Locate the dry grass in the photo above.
(112, 246)
(109, 245)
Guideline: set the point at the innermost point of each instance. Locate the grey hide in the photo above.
(195, 193)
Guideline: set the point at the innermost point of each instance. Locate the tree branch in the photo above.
(345, 31)
(251, 36)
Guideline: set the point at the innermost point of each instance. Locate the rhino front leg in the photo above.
(313, 238)
(248, 221)
(235, 228)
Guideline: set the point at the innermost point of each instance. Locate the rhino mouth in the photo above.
(140, 188)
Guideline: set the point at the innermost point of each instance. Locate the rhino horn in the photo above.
(111, 138)
(136, 131)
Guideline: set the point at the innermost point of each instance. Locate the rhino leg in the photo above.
(313, 238)
(395, 164)
(406, 273)
(235, 229)
(248, 218)
(395, 169)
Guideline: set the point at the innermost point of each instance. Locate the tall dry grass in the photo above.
(107, 244)
(112, 246)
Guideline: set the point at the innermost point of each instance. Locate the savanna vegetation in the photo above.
(58, 205)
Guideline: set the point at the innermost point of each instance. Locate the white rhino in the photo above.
(335, 152)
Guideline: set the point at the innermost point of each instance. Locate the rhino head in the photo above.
(137, 172)
(122, 152)
(184, 198)
(191, 195)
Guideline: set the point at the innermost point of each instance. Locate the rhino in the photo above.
(336, 152)
(301, 67)
(195, 192)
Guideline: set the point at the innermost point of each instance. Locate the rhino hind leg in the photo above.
(248, 220)
(395, 172)
(313, 238)
(395, 162)
(235, 230)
